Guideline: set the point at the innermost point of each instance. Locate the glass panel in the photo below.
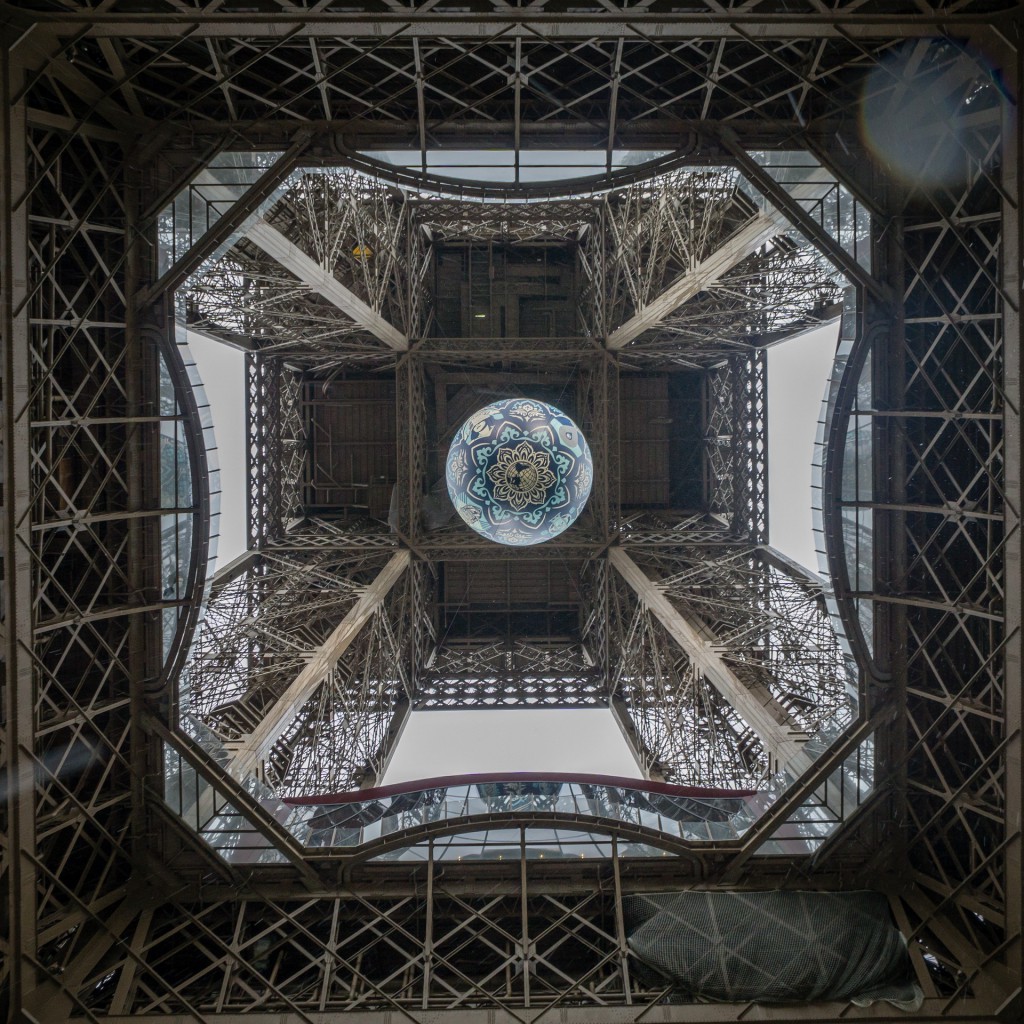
(499, 165)
(175, 495)
(683, 812)
(212, 816)
(199, 205)
(829, 202)
(504, 844)
(176, 486)
(822, 813)
(856, 473)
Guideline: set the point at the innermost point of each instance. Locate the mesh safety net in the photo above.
(773, 947)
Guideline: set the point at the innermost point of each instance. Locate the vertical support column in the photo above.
(19, 676)
(883, 328)
(330, 958)
(739, 521)
(612, 452)
(428, 936)
(524, 912)
(749, 375)
(1013, 232)
(262, 385)
(143, 328)
(411, 425)
(620, 924)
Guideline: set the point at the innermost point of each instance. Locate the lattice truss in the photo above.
(735, 443)
(954, 583)
(351, 227)
(277, 446)
(446, 219)
(771, 628)
(686, 234)
(768, 625)
(516, 674)
(686, 729)
(750, 445)
(719, 441)
(771, 293)
(412, 441)
(80, 569)
(634, 246)
(85, 856)
(427, 950)
(414, 77)
(261, 630)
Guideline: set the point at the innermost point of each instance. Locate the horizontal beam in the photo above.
(711, 23)
(248, 751)
(782, 740)
(973, 1009)
(345, 141)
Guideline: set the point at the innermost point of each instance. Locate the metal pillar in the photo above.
(18, 852)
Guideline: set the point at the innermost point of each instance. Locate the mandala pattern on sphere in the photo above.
(519, 471)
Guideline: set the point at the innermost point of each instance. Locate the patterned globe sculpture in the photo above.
(519, 471)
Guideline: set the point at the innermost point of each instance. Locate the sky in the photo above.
(510, 740)
(798, 372)
(454, 743)
(222, 370)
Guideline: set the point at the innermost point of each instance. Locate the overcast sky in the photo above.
(442, 743)
(451, 743)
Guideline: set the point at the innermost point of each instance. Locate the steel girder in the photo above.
(955, 579)
(952, 432)
(98, 498)
(605, 82)
(258, 643)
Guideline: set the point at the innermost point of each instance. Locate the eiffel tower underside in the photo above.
(401, 213)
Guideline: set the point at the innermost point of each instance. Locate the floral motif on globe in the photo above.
(519, 471)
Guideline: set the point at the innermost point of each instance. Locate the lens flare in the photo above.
(916, 105)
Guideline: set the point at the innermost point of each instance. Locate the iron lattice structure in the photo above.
(254, 639)
(114, 906)
(773, 629)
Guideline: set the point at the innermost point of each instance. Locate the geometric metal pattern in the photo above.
(113, 906)
(785, 650)
(256, 638)
(338, 222)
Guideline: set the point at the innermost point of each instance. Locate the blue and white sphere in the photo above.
(519, 471)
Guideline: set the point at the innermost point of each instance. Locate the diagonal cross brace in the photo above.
(742, 243)
(253, 748)
(783, 741)
(292, 258)
(276, 245)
